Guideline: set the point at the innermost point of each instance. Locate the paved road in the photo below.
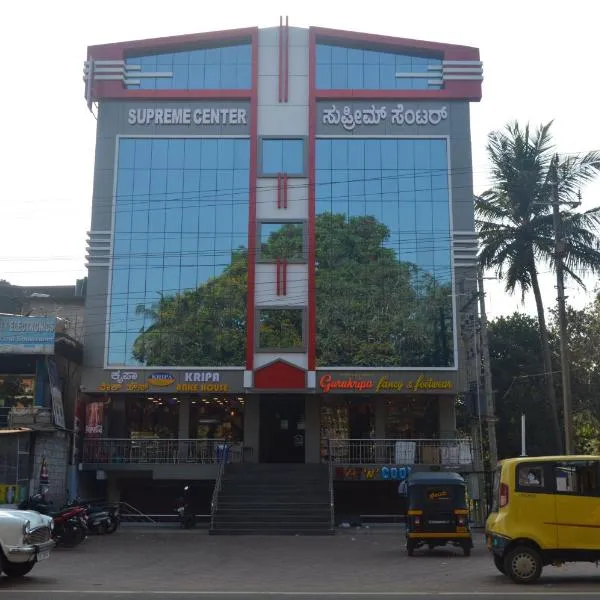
(190, 564)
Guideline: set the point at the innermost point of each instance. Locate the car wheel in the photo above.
(467, 550)
(14, 570)
(523, 564)
(499, 562)
(410, 547)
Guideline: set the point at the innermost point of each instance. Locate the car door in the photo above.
(533, 510)
(577, 497)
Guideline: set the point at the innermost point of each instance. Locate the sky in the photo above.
(538, 67)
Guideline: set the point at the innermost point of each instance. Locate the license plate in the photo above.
(43, 555)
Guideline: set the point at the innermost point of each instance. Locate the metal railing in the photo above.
(156, 451)
(450, 452)
(224, 459)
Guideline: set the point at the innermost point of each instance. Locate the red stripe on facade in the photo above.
(284, 278)
(452, 90)
(286, 81)
(280, 70)
(278, 277)
(278, 190)
(252, 206)
(312, 314)
(285, 190)
(124, 93)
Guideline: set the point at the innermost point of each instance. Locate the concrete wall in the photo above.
(54, 446)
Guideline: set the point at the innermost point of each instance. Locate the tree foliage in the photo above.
(515, 222)
(373, 309)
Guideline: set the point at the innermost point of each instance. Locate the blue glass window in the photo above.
(226, 68)
(180, 242)
(340, 68)
(384, 270)
(282, 156)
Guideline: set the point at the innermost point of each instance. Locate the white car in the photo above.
(25, 539)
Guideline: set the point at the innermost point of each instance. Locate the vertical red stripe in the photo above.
(280, 72)
(312, 315)
(286, 81)
(278, 277)
(252, 208)
(278, 190)
(284, 278)
(285, 190)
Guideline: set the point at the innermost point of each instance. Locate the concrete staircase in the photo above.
(273, 499)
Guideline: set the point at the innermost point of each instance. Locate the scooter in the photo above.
(70, 527)
(187, 517)
(101, 518)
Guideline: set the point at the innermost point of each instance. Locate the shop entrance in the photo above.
(282, 429)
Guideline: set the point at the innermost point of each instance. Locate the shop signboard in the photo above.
(27, 335)
(190, 381)
(387, 382)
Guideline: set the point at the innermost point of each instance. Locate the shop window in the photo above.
(281, 329)
(217, 419)
(282, 241)
(283, 156)
(153, 418)
(579, 478)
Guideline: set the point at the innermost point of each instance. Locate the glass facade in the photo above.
(179, 265)
(226, 68)
(282, 241)
(383, 272)
(281, 329)
(340, 68)
(282, 156)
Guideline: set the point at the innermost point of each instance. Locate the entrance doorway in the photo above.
(282, 429)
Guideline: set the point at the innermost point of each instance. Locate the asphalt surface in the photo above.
(169, 565)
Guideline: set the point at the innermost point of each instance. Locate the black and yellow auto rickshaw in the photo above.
(437, 512)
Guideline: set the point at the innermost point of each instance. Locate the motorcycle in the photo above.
(187, 517)
(70, 527)
(100, 518)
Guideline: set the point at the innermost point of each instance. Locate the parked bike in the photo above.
(70, 527)
(187, 517)
(100, 518)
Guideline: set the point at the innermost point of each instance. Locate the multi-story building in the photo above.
(281, 249)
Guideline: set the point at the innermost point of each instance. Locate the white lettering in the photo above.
(349, 119)
(201, 377)
(187, 116)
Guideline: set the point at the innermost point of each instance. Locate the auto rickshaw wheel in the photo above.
(499, 562)
(523, 564)
(410, 547)
(467, 550)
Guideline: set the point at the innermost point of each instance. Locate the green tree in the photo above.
(515, 224)
(517, 373)
(372, 308)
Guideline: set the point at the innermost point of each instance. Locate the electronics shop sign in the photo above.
(185, 382)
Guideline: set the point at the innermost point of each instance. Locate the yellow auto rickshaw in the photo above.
(437, 512)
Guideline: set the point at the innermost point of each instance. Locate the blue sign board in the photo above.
(27, 335)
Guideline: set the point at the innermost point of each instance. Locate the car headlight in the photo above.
(26, 528)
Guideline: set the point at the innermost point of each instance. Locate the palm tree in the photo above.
(514, 220)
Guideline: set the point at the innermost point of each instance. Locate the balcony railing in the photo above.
(452, 452)
(157, 451)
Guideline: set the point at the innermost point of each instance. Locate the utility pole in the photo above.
(490, 413)
(559, 246)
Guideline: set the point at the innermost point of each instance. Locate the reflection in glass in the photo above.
(384, 273)
(282, 241)
(281, 328)
(282, 156)
(227, 68)
(355, 69)
(179, 270)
